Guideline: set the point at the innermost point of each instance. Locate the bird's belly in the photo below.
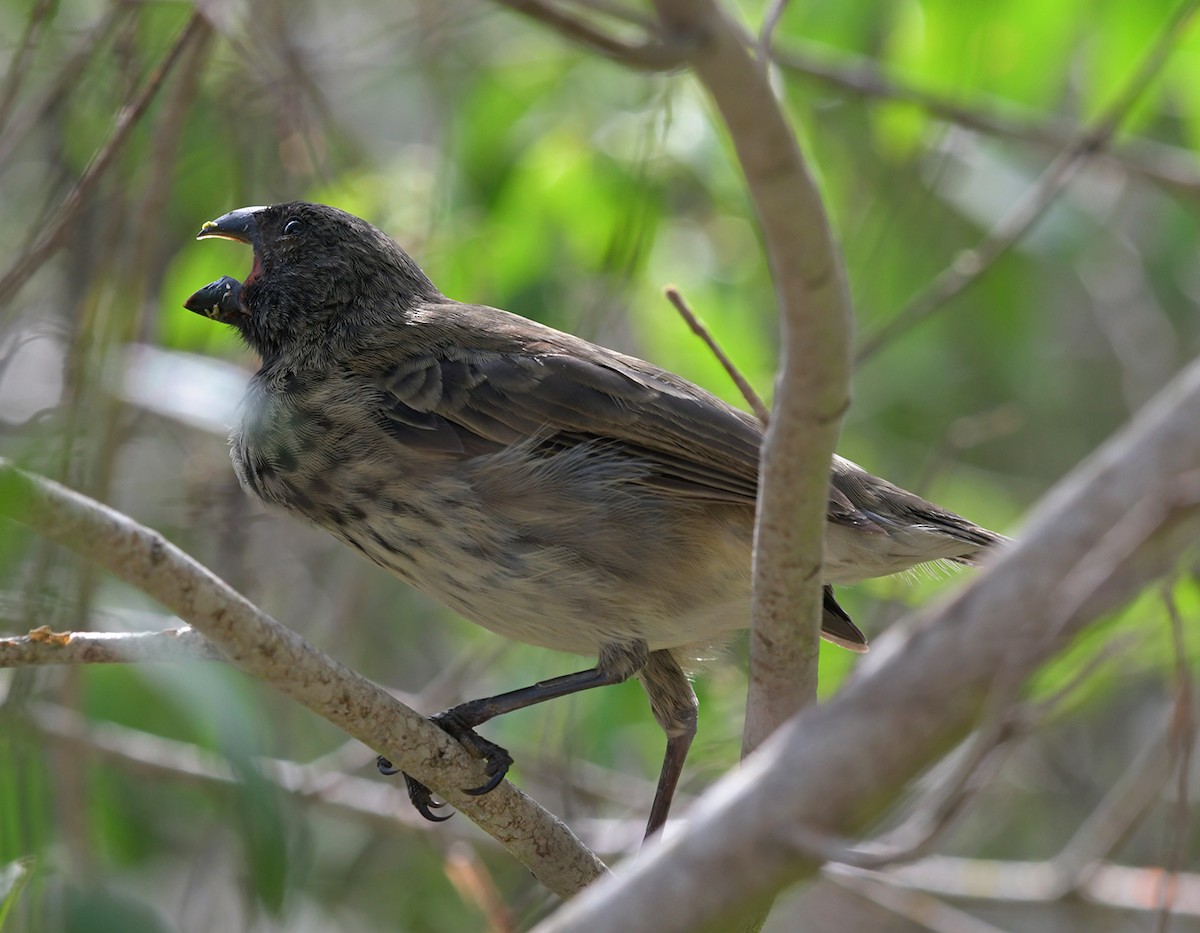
(565, 566)
(531, 582)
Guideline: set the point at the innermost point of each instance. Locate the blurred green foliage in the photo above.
(524, 173)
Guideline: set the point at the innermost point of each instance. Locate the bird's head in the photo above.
(321, 279)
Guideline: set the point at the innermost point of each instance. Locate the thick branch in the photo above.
(1118, 521)
(261, 647)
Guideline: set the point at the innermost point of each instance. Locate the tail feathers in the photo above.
(837, 627)
(986, 540)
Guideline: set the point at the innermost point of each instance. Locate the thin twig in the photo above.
(42, 646)
(917, 906)
(67, 79)
(766, 35)
(1168, 165)
(1123, 804)
(812, 386)
(55, 230)
(19, 65)
(651, 54)
(372, 802)
(697, 326)
(971, 265)
(1012, 881)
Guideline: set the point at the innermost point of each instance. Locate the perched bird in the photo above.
(549, 489)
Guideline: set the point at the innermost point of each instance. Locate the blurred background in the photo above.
(526, 173)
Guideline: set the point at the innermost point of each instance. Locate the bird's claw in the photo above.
(498, 763)
(422, 799)
(497, 759)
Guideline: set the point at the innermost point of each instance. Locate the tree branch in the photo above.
(1118, 521)
(258, 645)
(374, 803)
(811, 394)
(651, 54)
(50, 238)
(971, 265)
(1167, 165)
(42, 646)
(697, 327)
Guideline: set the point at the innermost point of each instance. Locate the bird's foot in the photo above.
(497, 759)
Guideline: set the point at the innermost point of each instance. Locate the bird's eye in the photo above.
(293, 228)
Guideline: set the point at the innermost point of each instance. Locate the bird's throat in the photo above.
(255, 270)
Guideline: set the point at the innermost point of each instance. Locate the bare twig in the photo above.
(42, 646)
(651, 54)
(697, 326)
(1125, 802)
(972, 264)
(65, 81)
(932, 816)
(1034, 882)
(261, 647)
(917, 906)
(19, 64)
(766, 35)
(1167, 165)
(371, 802)
(54, 230)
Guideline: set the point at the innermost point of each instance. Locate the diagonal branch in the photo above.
(259, 646)
(1121, 519)
(761, 412)
(18, 67)
(651, 54)
(54, 231)
(971, 265)
(1167, 165)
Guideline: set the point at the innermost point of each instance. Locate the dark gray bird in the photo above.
(549, 489)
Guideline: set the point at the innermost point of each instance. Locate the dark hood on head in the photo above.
(320, 277)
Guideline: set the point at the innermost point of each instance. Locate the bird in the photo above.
(552, 490)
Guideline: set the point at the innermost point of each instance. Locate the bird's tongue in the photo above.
(255, 270)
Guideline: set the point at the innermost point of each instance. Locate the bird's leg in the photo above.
(616, 664)
(674, 705)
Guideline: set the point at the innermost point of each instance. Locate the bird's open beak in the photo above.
(237, 225)
(220, 300)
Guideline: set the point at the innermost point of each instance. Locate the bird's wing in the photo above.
(464, 404)
(489, 380)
